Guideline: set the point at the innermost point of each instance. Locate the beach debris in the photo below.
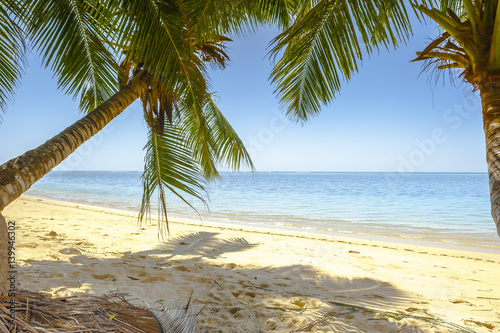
(37, 313)
(492, 298)
(70, 251)
(480, 324)
(102, 276)
(270, 324)
(176, 318)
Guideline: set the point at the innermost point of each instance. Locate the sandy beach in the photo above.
(256, 279)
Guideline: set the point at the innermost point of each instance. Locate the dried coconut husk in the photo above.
(37, 312)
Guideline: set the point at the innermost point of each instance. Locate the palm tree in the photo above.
(100, 52)
(321, 47)
(470, 43)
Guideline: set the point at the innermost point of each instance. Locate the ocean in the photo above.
(448, 209)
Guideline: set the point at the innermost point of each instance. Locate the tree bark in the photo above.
(490, 99)
(20, 173)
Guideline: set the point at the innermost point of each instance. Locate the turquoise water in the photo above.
(443, 208)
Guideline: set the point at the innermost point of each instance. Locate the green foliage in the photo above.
(178, 109)
(169, 164)
(187, 152)
(172, 43)
(70, 36)
(324, 45)
(469, 41)
(95, 47)
(12, 49)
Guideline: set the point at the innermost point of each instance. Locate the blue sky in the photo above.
(388, 118)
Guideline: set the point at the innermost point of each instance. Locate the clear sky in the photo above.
(388, 118)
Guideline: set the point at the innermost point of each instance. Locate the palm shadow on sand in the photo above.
(203, 245)
(228, 293)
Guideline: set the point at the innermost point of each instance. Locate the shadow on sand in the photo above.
(229, 296)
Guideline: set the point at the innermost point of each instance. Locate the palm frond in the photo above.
(230, 149)
(456, 6)
(169, 165)
(446, 56)
(12, 49)
(70, 36)
(186, 152)
(172, 63)
(435, 43)
(213, 51)
(276, 12)
(223, 17)
(212, 139)
(468, 25)
(453, 65)
(176, 318)
(323, 47)
(158, 38)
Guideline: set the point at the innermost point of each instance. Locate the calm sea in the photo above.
(440, 208)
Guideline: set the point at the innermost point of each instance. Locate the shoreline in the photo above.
(314, 233)
(246, 279)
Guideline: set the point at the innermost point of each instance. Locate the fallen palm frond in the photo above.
(176, 319)
(328, 318)
(35, 312)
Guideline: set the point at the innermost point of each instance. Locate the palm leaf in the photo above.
(187, 152)
(171, 61)
(169, 165)
(435, 43)
(12, 49)
(324, 46)
(70, 36)
(212, 139)
(175, 318)
(223, 17)
(230, 149)
(453, 65)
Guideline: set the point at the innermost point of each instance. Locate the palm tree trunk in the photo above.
(20, 173)
(490, 98)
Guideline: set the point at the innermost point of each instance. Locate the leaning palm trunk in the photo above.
(490, 97)
(20, 173)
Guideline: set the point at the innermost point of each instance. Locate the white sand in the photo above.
(254, 280)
